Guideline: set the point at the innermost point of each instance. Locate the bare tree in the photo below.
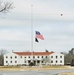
(2, 52)
(68, 59)
(46, 60)
(5, 6)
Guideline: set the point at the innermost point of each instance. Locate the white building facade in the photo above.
(38, 58)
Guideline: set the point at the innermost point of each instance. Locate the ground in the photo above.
(72, 73)
(22, 68)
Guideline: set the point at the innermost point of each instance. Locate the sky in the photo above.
(44, 16)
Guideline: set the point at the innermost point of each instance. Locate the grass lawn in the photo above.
(16, 68)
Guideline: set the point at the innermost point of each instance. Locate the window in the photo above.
(10, 61)
(61, 61)
(51, 61)
(51, 56)
(33, 56)
(38, 56)
(15, 61)
(25, 61)
(56, 61)
(38, 61)
(46, 56)
(6, 61)
(24, 57)
(42, 56)
(15, 56)
(60, 56)
(42, 61)
(11, 57)
(20, 56)
(56, 57)
(6, 56)
(29, 57)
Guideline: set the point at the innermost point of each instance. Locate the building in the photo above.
(38, 58)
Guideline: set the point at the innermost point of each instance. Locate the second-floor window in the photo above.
(15, 56)
(33, 56)
(20, 56)
(56, 57)
(38, 56)
(11, 57)
(24, 57)
(29, 57)
(46, 56)
(42, 56)
(51, 56)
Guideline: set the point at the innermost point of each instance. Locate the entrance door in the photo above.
(34, 62)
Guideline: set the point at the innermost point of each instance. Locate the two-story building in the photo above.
(38, 58)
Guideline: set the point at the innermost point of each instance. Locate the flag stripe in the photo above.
(40, 37)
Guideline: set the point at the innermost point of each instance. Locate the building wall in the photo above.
(52, 59)
(11, 59)
(57, 59)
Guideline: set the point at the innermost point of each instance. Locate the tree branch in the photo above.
(5, 6)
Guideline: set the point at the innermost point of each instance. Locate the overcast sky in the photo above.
(57, 30)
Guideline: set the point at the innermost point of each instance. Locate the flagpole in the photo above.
(32, 30)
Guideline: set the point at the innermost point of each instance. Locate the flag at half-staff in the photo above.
(38, 36)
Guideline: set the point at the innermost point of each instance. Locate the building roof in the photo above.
(33, 53)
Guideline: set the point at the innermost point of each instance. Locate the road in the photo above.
(46, 72)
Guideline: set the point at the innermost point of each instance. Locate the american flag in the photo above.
(39, 35)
